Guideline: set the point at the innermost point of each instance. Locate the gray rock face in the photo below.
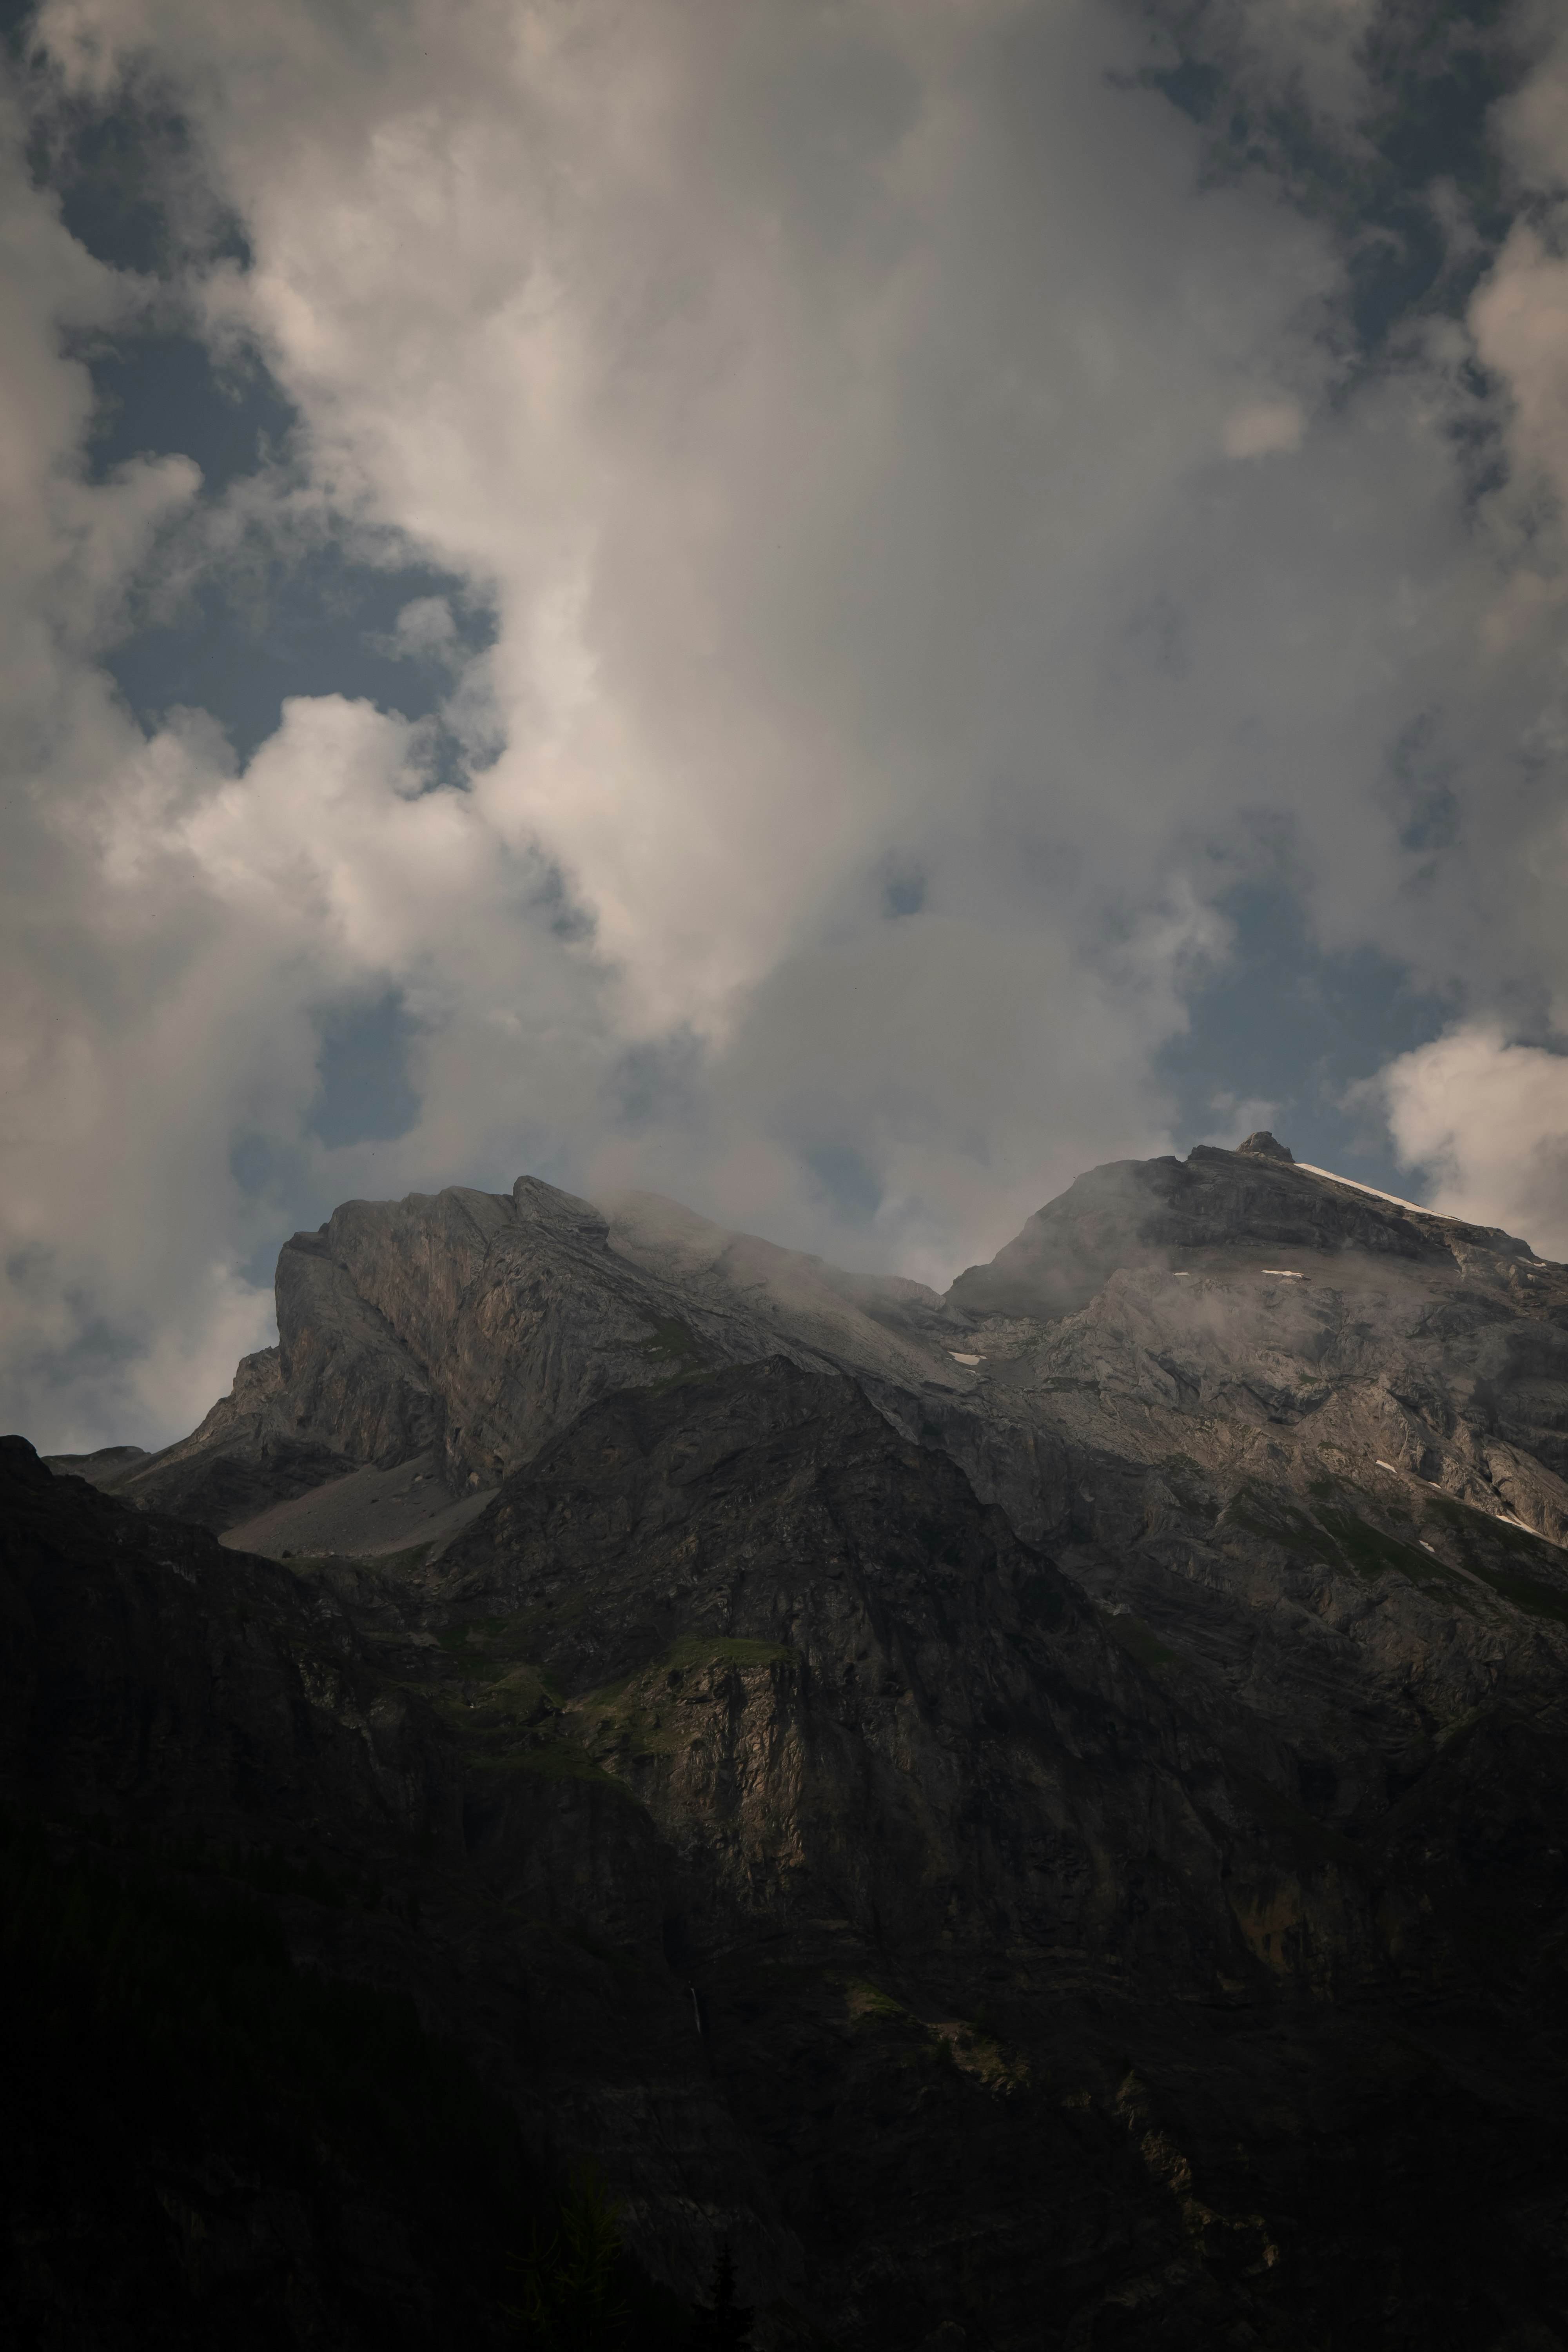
(1092, 1745)
(251, 1451)
(1261, 1145)
(470, 1326)
(1312, 1443)
(1157, 1212)
(1307, 1442)
(950, 1710)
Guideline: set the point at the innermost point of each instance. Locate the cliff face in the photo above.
(840, 1683)
(1043, 1809)
(460, 1331)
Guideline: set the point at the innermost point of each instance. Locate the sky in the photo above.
(838, 609)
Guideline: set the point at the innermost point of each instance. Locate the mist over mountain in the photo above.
(1028, 1815)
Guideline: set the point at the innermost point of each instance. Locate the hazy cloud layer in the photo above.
(943, 534)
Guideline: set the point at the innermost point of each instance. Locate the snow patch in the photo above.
(1308, 1170)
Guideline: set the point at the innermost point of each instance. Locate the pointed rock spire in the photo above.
(1261, 1145)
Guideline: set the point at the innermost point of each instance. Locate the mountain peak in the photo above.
(741, 1663)
(1261, 1145)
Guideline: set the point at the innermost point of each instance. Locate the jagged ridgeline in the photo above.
(626, 1777)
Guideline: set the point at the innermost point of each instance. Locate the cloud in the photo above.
(1485, 1113)
(1308, 53)
(741, 473)
(425, 630)
(841, 413)
(877, 1056)
(1519, 320)
(1263, 427)
(1487, 1119)
(1532, 120)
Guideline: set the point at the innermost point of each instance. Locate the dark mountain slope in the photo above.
(903, 1770)
(1059, 1792)
(940, 1746)
(1323, 1476)
(198, 2143)
(209, 1729)
(757, 1812)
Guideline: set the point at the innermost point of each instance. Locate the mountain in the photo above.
(1037, 1812)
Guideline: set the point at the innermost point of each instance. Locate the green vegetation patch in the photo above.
(512, 1724)
(699, 1650)
(488, 1649)
(675, 1347)
(1140, 1641)
(688, 1658)
(1526, 1592)
(510, 1706)
(516, 1729)
(1472, 1528)
(1065, 1387)
(974, 2048)
(658, 1709)
(1369, 1553)
(1258, 1511)
(870, 2006)
(673, 1341)
(983, 2052)
(1457, 1517)
(549, 1758)
(1339, 1540)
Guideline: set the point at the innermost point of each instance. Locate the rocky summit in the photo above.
(1033, 1817)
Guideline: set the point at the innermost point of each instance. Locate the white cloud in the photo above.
(1306, 54)
(1488, 1120)
(731, 421)
(1485, 1114)
(836, 408)
(887, 1045)
(1532, 121)
(1261, 428)
(425, 629)
(1519, 318)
